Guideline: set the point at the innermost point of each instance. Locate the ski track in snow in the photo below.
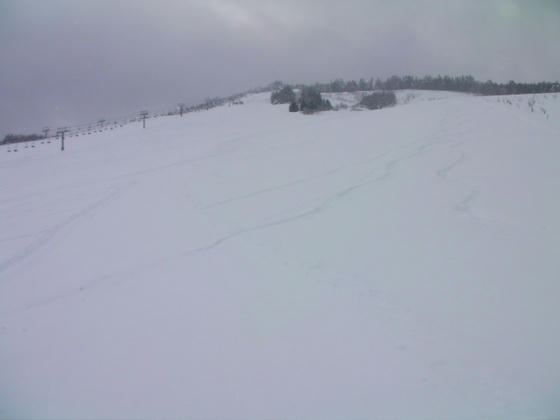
(118, 177)
(443, 172)
(51, 233)
(454, 358)
(267, 190)
(464, 206)
(372, 176)
(325, 203)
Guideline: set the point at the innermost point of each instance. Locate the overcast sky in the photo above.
(66, 62)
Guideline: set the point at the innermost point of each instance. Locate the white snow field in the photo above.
(251, 263)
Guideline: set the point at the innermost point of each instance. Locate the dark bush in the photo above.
(311, 101)
(283, 96)
(378, 100)
(294, 107)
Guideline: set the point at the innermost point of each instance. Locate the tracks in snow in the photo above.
(360, 175)
(48, 235)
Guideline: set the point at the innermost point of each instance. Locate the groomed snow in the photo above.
(250, 263)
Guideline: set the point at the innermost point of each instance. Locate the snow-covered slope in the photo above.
(247, 262)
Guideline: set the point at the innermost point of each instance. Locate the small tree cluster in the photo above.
(378, 100)
(311, 101)
(283, 96)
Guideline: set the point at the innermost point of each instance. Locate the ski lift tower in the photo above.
(60, 132)
(144, 115)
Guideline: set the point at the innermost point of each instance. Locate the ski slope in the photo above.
(250, 263)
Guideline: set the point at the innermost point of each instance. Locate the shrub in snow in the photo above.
(283, 96)
(378, 100)
(311, 101)
(294, 107)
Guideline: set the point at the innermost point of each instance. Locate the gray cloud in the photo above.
(64, 62)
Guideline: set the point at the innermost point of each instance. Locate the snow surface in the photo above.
(251, 263)
(405, 96)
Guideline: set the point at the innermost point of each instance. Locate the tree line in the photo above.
(310, 99)
(464, 83)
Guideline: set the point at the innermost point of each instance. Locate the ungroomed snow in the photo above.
(251, 263)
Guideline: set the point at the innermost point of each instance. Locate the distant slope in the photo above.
(248, 262)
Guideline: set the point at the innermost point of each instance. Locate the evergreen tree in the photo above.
(311, 101)
(284, 96)
(378, 100)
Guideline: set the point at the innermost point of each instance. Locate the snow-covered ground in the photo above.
(349, 99)
(249, 263)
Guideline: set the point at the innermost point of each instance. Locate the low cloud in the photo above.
(65, 62)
